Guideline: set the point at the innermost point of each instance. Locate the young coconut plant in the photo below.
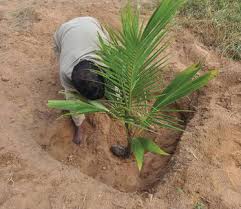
(132, 60)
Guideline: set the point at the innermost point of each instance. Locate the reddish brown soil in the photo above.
(41, 169)
(94, 158)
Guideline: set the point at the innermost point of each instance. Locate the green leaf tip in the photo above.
(140, 145)
(150, 146)
(138, 151)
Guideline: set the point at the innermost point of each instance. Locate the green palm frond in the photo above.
(182, 85)
(77, 106)
(130, 61)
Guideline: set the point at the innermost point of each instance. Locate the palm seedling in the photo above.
(132, 61)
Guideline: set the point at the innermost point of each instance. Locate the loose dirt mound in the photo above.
(205, 170)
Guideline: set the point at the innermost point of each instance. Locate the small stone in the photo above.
(44, 146)
(150, 197)
(53, 83)
(4, 78)
(103, 168)
(70, 158)
(40, 79)
(21, 105)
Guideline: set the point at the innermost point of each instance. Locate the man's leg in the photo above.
(117, 150)
(77, 121)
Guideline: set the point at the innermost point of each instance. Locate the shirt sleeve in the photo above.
(57, 46)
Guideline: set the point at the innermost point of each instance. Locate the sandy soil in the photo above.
(41, 169)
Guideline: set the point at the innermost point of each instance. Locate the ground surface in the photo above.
(41, 169)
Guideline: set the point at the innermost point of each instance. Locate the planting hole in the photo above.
(94, 158)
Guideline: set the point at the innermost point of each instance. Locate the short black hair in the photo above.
(89, 84)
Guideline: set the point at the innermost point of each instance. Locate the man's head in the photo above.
(88, 83)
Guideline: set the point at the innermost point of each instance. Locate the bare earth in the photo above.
(41, 169)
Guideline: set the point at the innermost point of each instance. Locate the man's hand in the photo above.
(77, 135)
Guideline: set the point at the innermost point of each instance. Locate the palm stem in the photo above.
(129, 137)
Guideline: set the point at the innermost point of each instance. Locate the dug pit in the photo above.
(94, 158)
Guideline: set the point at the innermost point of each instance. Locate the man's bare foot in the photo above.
(120, 151)
(77, 135)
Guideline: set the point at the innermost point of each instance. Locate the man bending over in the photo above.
(76, 43)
